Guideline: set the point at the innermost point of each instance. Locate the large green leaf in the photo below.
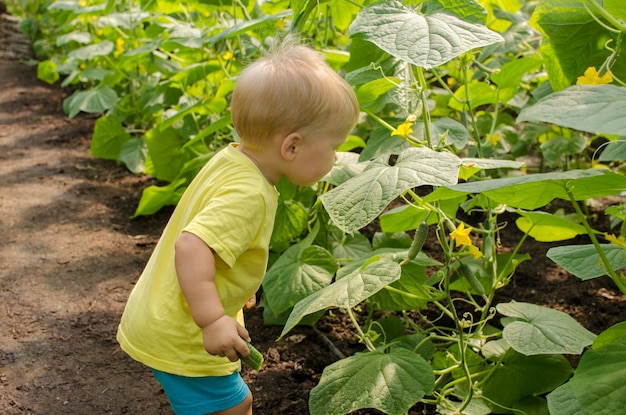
(519, 378)
(109, 136)
(583, 261)
(166, 152)
(562, 401)
(545, 227)
(291, 220)
(572, 40)
(91, 51)
(598, 382)
(533, 330)
(390, 381)
(97, 100)
(348, 291)
(589, 108)
(533, 191)
(301, 270)
(423, 40)
(359, 200)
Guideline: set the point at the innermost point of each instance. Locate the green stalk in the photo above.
(424, 100)
(368, 343)
(605, 261)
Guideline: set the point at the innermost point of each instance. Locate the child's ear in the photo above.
(290, 146)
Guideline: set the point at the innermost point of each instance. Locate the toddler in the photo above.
(184, 317)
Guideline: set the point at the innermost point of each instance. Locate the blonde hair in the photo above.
(291, 90)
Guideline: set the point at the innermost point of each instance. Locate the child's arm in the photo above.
(195, 267)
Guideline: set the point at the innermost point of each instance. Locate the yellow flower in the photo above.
(227, 56)
(82, 3)
(619, 241)
(461, 235)
(280, 24)
(591, 77)
(404, 129)
(475, 251)
(494, 139)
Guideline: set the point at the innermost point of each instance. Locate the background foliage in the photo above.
(471, 109)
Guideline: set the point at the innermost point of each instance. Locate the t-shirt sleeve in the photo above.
(230, 221)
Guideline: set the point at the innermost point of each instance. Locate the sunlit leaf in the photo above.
(423, 40)
(545, 227)
(390, 381)
(590, 108)
(359, 200)
(532, 329)
(583, 261)
(346, 292)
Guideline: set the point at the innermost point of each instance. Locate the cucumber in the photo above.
(466, 272)
(418, 242)
(255, 359)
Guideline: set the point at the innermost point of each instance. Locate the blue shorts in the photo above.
(202, 395)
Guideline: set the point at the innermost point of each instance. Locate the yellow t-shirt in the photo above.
(231, 207)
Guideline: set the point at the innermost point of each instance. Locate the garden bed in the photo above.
(69, 256)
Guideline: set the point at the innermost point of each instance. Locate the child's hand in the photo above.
(225, 337)
(251, 303)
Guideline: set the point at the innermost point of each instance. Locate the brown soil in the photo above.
(69, 256)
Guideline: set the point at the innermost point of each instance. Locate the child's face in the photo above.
(316, 157)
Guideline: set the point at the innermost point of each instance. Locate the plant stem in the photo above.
(424, 100)
(368, 343)
(605, 261)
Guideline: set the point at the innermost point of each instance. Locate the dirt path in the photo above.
(69, 257)
(66, 261)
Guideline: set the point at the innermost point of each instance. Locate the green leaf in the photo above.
(76, 36)
(533, 191)
(351, 247)
(391, 382)
(614, 151)
(291, 220)
(518, 378)
(301, 270)
(109, 136)
(615, 333)
(359, 200)
(133, 154)
(249, 25)
(572, 40)
(402, 218)
(617, 8)
(479, 93)
(535, 330)
(166, 152)
(509, 78)
(423, 40)
(47, 71)
(545, 227)
(371, 91)
(346, 167)
(453, 132)
(153, 198)
(556, 148)
(89, 52)
(589, 108)
(562, 401)
(348, 291)
(97, 100)
(410, 292)
(598, 382)
(583, 261)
